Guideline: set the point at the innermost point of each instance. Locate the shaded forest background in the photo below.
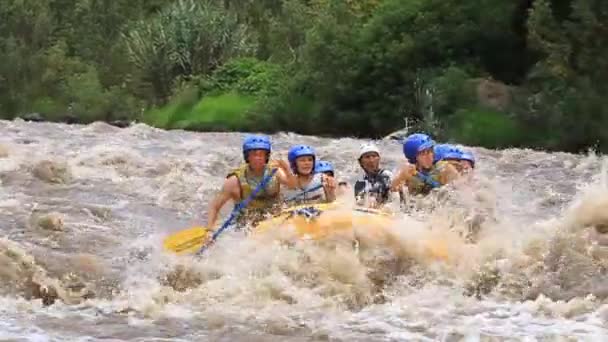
(493, 73)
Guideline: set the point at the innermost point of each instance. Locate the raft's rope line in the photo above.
(308, 212)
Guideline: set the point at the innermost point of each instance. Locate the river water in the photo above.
(84, 209)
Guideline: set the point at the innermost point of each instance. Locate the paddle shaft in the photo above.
(239, 207)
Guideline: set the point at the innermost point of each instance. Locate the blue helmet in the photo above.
(298, 151)
(466, 155)
(323, 166)
(256, 142)
(440, 150)
(415, 144)
(452, 152)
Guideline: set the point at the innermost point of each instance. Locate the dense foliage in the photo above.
(484, 72)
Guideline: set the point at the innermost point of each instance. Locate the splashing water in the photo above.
(83, 211)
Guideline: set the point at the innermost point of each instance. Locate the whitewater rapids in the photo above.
(84, 208)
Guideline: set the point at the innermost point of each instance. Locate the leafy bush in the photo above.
(484, 127)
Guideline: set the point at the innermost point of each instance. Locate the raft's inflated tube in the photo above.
(319, 221)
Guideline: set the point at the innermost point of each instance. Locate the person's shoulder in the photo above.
(237, 171)
(231, 181)
(443, 165)
(388, 173)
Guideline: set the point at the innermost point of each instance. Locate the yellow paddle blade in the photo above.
(190, 240)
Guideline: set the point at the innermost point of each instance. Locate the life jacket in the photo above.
(423, 182)
(263, 202)
(377, 185)
(306, 195)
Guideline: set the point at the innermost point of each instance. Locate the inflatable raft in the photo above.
(318, 223)
(321, 221)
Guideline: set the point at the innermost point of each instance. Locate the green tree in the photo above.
(568, 106)
(187, 38)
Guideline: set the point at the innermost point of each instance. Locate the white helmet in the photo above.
(367, 148)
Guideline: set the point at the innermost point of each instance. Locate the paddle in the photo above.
(196, 239)
(293, 211)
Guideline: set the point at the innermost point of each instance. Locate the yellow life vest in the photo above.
(263, 202)
(423, 182)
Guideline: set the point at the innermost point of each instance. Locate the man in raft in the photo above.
(325, 167)
(241, 182)
(467, 161)
(312, 186)
(373, 189)
(422, 174)
(463, 161)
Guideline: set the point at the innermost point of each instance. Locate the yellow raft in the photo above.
(321, 221)
(311, 222)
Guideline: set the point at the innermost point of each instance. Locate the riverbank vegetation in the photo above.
(525, 73)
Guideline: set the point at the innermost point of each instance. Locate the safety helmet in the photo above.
(416, 143)
(298, 151)
(367, 148)
(446, 151)
(466, 155)
(256, 142)
(439, 151)
(324, 166)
